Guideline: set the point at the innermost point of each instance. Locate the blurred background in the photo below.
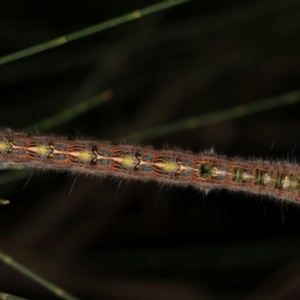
(112, 239)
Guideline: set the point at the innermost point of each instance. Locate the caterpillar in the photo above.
(203, 171)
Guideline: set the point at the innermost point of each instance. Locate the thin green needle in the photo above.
(235, 112)
(48, 285)
(4, 296)
(90, 30)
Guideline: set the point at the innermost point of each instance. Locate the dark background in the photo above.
(133, 240)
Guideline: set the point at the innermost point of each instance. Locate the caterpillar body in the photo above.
(203, 171)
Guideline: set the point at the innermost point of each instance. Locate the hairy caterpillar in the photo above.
(202, 171)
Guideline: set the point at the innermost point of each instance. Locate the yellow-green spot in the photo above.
(128, 161)
(84, 155)
(237, 175)
(3, 146)
(206, 171)
(169, 166)
(41, 150)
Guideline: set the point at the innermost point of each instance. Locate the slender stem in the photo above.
(72, 112)
(4, 202)
(4, 296)
(231, 113)
(90, 30)
(48, 285)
